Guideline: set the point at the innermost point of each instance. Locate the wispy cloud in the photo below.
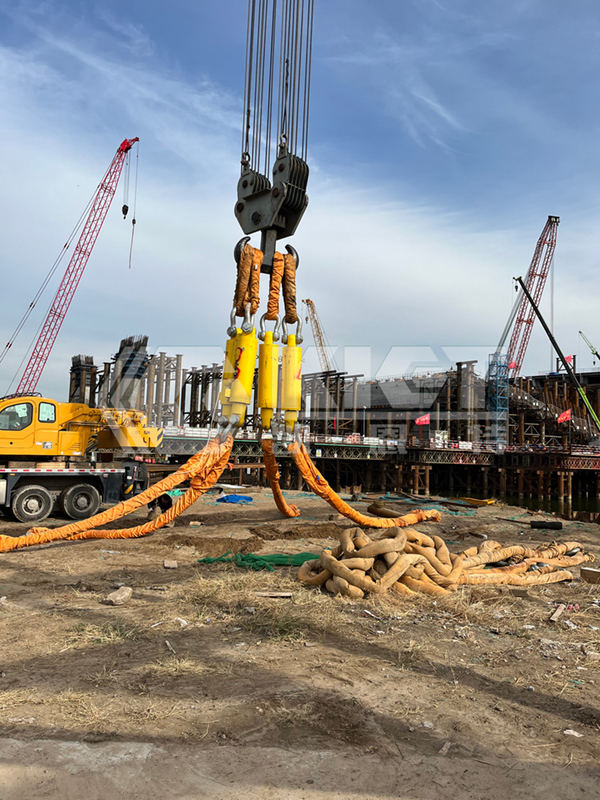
(434, 77)
(133, 36)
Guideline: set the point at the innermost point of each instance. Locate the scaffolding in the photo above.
(498, 399)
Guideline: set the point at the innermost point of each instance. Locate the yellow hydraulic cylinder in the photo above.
(291, 382)
(243, 373)
(228, 373)
(268, 376)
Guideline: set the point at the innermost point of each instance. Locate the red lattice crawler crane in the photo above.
(523, 313)
(83, 250)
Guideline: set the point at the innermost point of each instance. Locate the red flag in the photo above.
(565, 416)
(512, 365)
(425, 420)
(569, 359)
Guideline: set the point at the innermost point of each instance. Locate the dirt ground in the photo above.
(198, 687)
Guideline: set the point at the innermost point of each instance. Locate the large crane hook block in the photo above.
(274, 208)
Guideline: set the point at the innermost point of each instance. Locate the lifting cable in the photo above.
(278, 62)
(50, 275)
(135, 190)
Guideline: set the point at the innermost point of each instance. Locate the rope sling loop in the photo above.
(319, 486)
(248, 281)
(289, 289)
(273, 476)
(282, 279)
(275, 280)
(203, 469)
(410, 562)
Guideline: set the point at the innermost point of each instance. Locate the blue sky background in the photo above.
(442, 135)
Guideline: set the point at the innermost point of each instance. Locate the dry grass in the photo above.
(107, 676)
(174, 667)
(304, 712)
(110, 632)
(227, 594)
(411, 654)
(277, 624)
(70, 705)
(151, 713)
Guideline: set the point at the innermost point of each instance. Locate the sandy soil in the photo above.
(197, 687)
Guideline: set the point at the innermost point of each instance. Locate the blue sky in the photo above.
(442, 135)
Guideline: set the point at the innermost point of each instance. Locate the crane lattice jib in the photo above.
(536, 280)
(318, 336)
(77, 264)
(589, 344)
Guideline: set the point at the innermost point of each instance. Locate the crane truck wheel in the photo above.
(80, 501)
(31, 504)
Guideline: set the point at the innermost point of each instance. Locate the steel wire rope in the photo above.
(248, 80)
(287, 109)
(30, 346)
(71, 277)
(270, 91)
(53, 268)
(308, 76)
(135, 189)
(286, 88)
(293, 75)
(298, 68)
(292, 84)
(261, 83)
(300, 58)
(281, 72)
(285, 78)
(254, 88)
(252, 95)
(126, 171)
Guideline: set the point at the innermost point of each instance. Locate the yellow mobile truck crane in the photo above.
(47, 457)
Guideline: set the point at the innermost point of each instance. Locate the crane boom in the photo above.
(535, 282)
(318, 336)
(568, 368)
(83, 250)
(589, 344)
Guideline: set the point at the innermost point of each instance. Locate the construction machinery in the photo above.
(522, 316)
(48, 452)
(318, 336)
(590, 345)
(276, 110)
(270, 202)
(98, 207)
(568, 368)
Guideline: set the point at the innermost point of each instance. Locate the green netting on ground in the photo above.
(252, 561)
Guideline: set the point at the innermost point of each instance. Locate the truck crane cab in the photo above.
(45, 452)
